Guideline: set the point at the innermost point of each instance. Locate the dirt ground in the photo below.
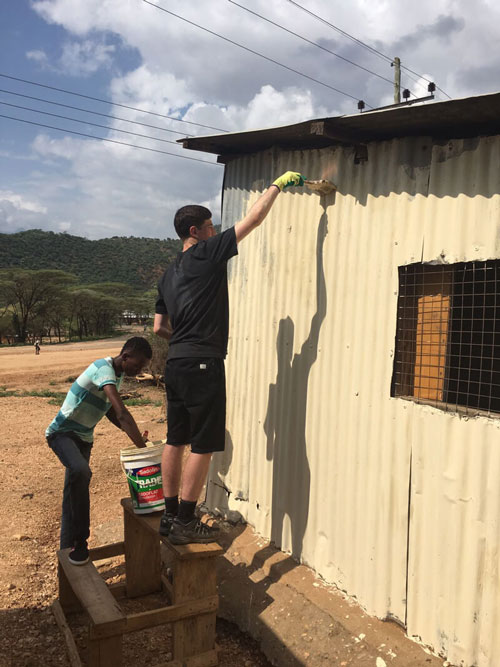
(33, 479)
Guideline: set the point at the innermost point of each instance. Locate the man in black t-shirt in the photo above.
(192, 312)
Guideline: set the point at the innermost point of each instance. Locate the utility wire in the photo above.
(361, 43)
(319, 46)
(95, 113)
(112, 141)
(87, 122)
(116, 104)
(255, 53)
(342, 32)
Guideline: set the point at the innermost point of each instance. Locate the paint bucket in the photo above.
(142, 468)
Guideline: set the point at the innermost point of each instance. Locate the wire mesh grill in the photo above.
(448, 336)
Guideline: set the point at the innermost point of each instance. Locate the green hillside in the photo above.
(135, 261)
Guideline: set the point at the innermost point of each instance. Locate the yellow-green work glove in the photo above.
(288, 179)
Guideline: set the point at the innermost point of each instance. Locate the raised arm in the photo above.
(125, 420)
(263, 205)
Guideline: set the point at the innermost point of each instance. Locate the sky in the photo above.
(132, 53)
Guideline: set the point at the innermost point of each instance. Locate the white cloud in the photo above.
(108, 190)
(38, 56)
(103, 189)
(78, 57)
(158, 91)
(20, 203)
(18, 213)
(47, 146)
(85, 57)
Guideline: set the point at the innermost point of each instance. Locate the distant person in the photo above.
(71, 434)
(192, 312)
(37, 346)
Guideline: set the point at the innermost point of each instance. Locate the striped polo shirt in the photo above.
(86, 403)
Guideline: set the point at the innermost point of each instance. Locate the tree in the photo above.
(142, 306)
(27, 292)
(6, 327)
(53, 315)
(160, 351)
(135, 261)
(94, 313)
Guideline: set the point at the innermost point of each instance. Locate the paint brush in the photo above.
(322, 187)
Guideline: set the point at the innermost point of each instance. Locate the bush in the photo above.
(160, 350)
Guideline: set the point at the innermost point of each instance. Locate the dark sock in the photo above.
(186, 511)
(172, 505)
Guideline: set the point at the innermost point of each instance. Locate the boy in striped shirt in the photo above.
(70, 435)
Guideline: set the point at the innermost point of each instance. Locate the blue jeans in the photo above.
(74, 454)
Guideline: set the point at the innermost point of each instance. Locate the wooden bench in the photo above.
(192, 590)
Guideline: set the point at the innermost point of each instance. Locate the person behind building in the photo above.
(71, 434)
(192, 312)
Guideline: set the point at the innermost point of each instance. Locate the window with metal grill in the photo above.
(448, 336)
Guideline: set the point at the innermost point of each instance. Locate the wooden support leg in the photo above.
(142, 558)
(105, 652)
(74, 657)
(194, 579)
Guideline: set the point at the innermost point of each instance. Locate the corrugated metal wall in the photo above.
(319, 456)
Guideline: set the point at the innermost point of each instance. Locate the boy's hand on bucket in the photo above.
(288, 179)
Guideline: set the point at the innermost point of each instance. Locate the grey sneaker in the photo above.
(166, 523)
(194, 532)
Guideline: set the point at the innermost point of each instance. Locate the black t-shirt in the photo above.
(193, 293)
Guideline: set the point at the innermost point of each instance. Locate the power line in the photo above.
(425, 79)
(116, 104)
(361, 43)
(95, 113)
(255, 53)
(319, 46)
(87, 122)
(339, 30)
(112, 141)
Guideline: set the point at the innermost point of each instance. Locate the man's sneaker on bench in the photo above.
(166, 523)
(79, 555)
(193, 532)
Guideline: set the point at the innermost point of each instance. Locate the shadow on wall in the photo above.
(219, 467)
(285, 423)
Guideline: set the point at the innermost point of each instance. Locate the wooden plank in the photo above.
(92, 592)
(107, 551)
(194, 551)
(142, 557)
(154, 617)
(105, 652)
(118, 590)
(167, 587)
(194, 579)
(151, 524)
(431, 346)
(67, 598)
(208, 659)
(73, 655)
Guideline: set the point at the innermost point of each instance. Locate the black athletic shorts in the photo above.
(196, 403)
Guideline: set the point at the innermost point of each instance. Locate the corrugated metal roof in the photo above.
(468, 117)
